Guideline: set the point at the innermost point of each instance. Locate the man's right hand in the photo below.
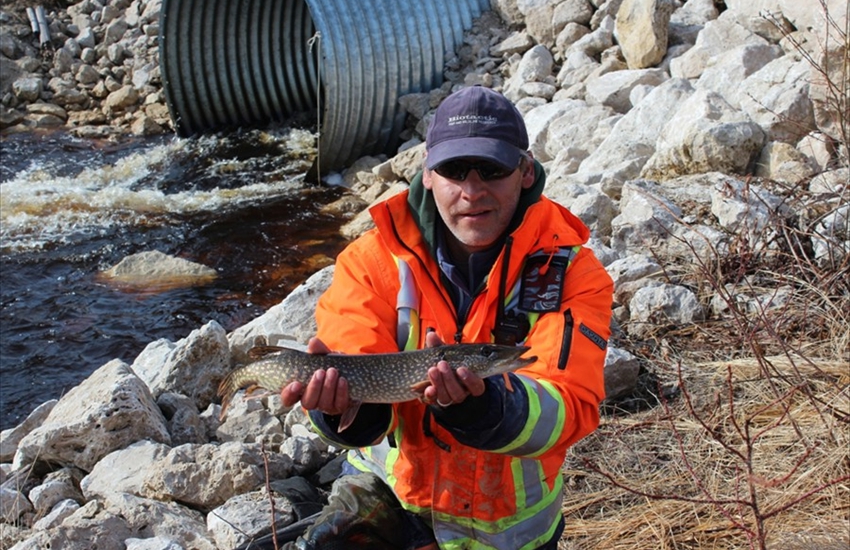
(326, 391)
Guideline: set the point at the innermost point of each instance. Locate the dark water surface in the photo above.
(71, 208)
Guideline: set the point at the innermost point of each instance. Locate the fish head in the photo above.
(490, 359)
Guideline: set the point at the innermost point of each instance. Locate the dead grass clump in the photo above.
(728, 465)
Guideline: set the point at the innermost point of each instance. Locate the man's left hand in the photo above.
(448, 386)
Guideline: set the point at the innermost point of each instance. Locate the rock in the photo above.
(716, 37)
(206, 476)
(784, 163)
(831, 240)
(831, 182)
(124, 470)
(641, 31)
(156, 271)
(591, 205)
(120, 100)
(518, 42)
(153, 543)
(193, 366)
(776, 98)
(613, 89)
(726, 72)
(535, 66)
(746, 209)
(27, 88)
(305, 455)
(13, 504)
(621, 373)
(182, 419)
(9, 439)
(705, 135)
(666, 306)
(246, 516)
(90, 526)
(257, 426)
(57, 515)
(290, 320)
(633, 139)
(167, 521)
(58, 486)
(109, 410)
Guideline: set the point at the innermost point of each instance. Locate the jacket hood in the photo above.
(424, 209)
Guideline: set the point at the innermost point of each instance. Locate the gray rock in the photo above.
(10, 438)
(290, 320)
(246, 516)
(658, 308)
(705, 135)
(108, 411)
(193, 366)
(58, 486)
(621, 373)
(641, 31)
(206, 476)
(123, 471)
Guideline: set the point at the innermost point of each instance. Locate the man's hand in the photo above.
(326, 391)
(449, 387)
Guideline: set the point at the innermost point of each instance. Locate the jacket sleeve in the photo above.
(357, 314)
(555, 401)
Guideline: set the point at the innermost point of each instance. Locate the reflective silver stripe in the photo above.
(530, 528)
(532, 477)
(546, 419)
(407, 306)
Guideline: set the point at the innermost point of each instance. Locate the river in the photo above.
(70, 208)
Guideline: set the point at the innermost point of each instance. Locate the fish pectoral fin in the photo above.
(419, 387)
(255, 391)
(508, 385)
(258, 352)
(348, 416)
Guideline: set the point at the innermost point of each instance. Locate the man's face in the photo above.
(476, 211)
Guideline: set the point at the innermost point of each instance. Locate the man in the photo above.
(472, 252)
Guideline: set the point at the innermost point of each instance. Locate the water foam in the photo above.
(38, 207)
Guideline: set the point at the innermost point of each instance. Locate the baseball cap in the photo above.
(476, 122)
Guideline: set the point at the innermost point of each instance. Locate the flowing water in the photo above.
(70, 208)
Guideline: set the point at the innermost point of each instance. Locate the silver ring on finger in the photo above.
(444, 405)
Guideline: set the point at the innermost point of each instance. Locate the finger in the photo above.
(432, 340)
(316, 346)
(291, 394)
(473, 383)
(312, 394)
(429, 394)
(342, 400)
(455, 391)
(327, 402)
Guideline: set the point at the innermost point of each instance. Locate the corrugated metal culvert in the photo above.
(250, 63)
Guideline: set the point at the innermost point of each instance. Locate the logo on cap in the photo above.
(472, 119)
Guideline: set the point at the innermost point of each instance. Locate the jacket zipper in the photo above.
(566, 340)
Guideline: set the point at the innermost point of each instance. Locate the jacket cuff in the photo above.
(475, 413)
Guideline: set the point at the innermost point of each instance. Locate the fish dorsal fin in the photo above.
(261, 351)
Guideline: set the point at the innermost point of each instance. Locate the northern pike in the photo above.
(372, 378)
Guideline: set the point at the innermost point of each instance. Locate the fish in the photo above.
(372, 378)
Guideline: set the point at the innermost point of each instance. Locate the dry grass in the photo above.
(686, 474)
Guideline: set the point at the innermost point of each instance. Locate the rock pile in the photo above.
(97, 75)
(676, 131)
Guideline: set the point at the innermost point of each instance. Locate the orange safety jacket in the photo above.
(481, 483)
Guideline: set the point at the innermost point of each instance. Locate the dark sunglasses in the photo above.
(458, 170)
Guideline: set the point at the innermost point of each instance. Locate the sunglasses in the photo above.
(458, 170)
